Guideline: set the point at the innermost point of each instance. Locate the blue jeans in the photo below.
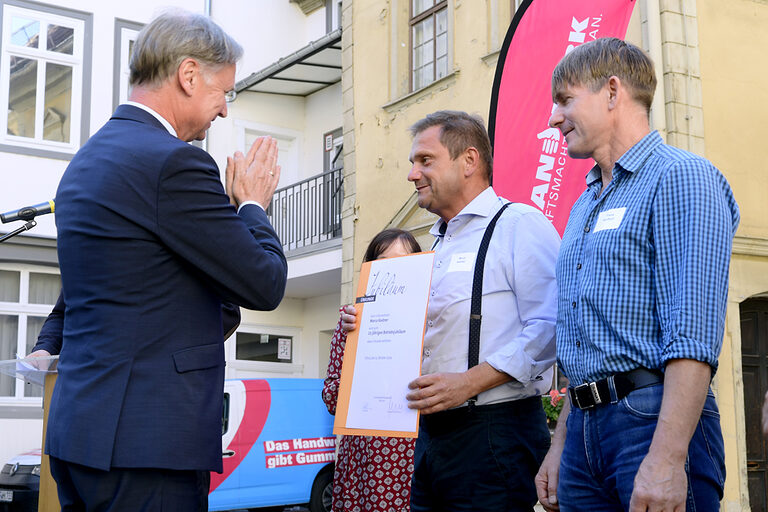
(605, 445)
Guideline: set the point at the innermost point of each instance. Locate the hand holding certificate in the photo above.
(384, 354)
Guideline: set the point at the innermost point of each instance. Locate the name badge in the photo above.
(462, 262)
(609, 219)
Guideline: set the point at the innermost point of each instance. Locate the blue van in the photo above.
(277, 444)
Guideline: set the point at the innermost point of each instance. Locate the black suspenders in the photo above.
(475, 316)
(476, 303)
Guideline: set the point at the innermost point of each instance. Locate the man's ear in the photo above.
(614, 88)
(471, 159)
(189, 75)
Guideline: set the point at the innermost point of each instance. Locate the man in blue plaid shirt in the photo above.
(642, 285)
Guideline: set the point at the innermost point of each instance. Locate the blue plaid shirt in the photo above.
(643, 268)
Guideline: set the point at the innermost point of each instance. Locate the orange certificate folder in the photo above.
(383, 354)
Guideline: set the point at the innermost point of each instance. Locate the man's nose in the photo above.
(556, 118)
(414, 174)
(223, 111)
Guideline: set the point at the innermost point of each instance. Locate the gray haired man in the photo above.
(150, 246)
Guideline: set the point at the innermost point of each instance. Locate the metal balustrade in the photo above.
(308, 212)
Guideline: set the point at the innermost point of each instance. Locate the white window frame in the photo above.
(295, 366)
(23, 309)
(417, 19)
(332, 15)
(126, 36)
(43, 57)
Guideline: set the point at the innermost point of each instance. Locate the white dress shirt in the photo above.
(519, 306)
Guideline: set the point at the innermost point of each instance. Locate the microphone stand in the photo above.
(26, 227)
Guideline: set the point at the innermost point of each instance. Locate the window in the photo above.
(125, 36)
(332, 15)
(266, 348)
(429, 42)
(26, 298)
(41, 79)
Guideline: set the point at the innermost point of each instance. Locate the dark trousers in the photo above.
(483, 459)
(85, 489)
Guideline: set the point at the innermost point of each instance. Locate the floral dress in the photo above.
(372, 473)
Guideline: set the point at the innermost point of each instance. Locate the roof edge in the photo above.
(324, 42)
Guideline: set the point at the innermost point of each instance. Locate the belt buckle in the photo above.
(576, 394)
(593, 392)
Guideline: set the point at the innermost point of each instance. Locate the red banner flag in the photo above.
(530, 160)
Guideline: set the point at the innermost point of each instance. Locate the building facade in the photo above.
(63, 70)
(424, 55)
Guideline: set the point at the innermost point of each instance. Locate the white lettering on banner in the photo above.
(577, 33)
(577, 30)
(550, 145)
(292, 445)
(318, 442)
(544, 197)
(282, 460)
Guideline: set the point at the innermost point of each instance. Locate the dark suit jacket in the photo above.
(149, 247)
(51, 334)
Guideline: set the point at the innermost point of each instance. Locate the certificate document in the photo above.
(384, 353)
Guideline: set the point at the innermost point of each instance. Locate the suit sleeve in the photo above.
(238, 254)
(50, 337)
(230, 319)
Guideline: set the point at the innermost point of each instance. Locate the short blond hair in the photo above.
(592, 64)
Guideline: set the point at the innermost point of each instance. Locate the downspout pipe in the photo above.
(658, 107)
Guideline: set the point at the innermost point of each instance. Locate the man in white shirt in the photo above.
(483, 431)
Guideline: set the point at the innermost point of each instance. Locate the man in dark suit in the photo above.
(51, 335)
(149, 247)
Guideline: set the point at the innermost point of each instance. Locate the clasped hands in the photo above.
(253, 177)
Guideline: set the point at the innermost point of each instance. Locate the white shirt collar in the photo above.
(482, 205)
(157, 116)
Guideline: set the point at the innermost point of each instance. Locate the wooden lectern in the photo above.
(48, 497)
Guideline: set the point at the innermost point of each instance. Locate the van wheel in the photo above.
(322, 491)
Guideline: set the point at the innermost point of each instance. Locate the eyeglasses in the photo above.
(230, 96)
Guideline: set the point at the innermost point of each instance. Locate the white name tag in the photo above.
(609, 219)
(462, 262)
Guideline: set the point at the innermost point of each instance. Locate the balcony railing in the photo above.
(308, 212)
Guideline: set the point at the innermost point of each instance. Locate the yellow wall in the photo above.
(732, 40)
(733, 37)
(383, 109)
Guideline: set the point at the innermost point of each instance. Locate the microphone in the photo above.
(28, 212)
